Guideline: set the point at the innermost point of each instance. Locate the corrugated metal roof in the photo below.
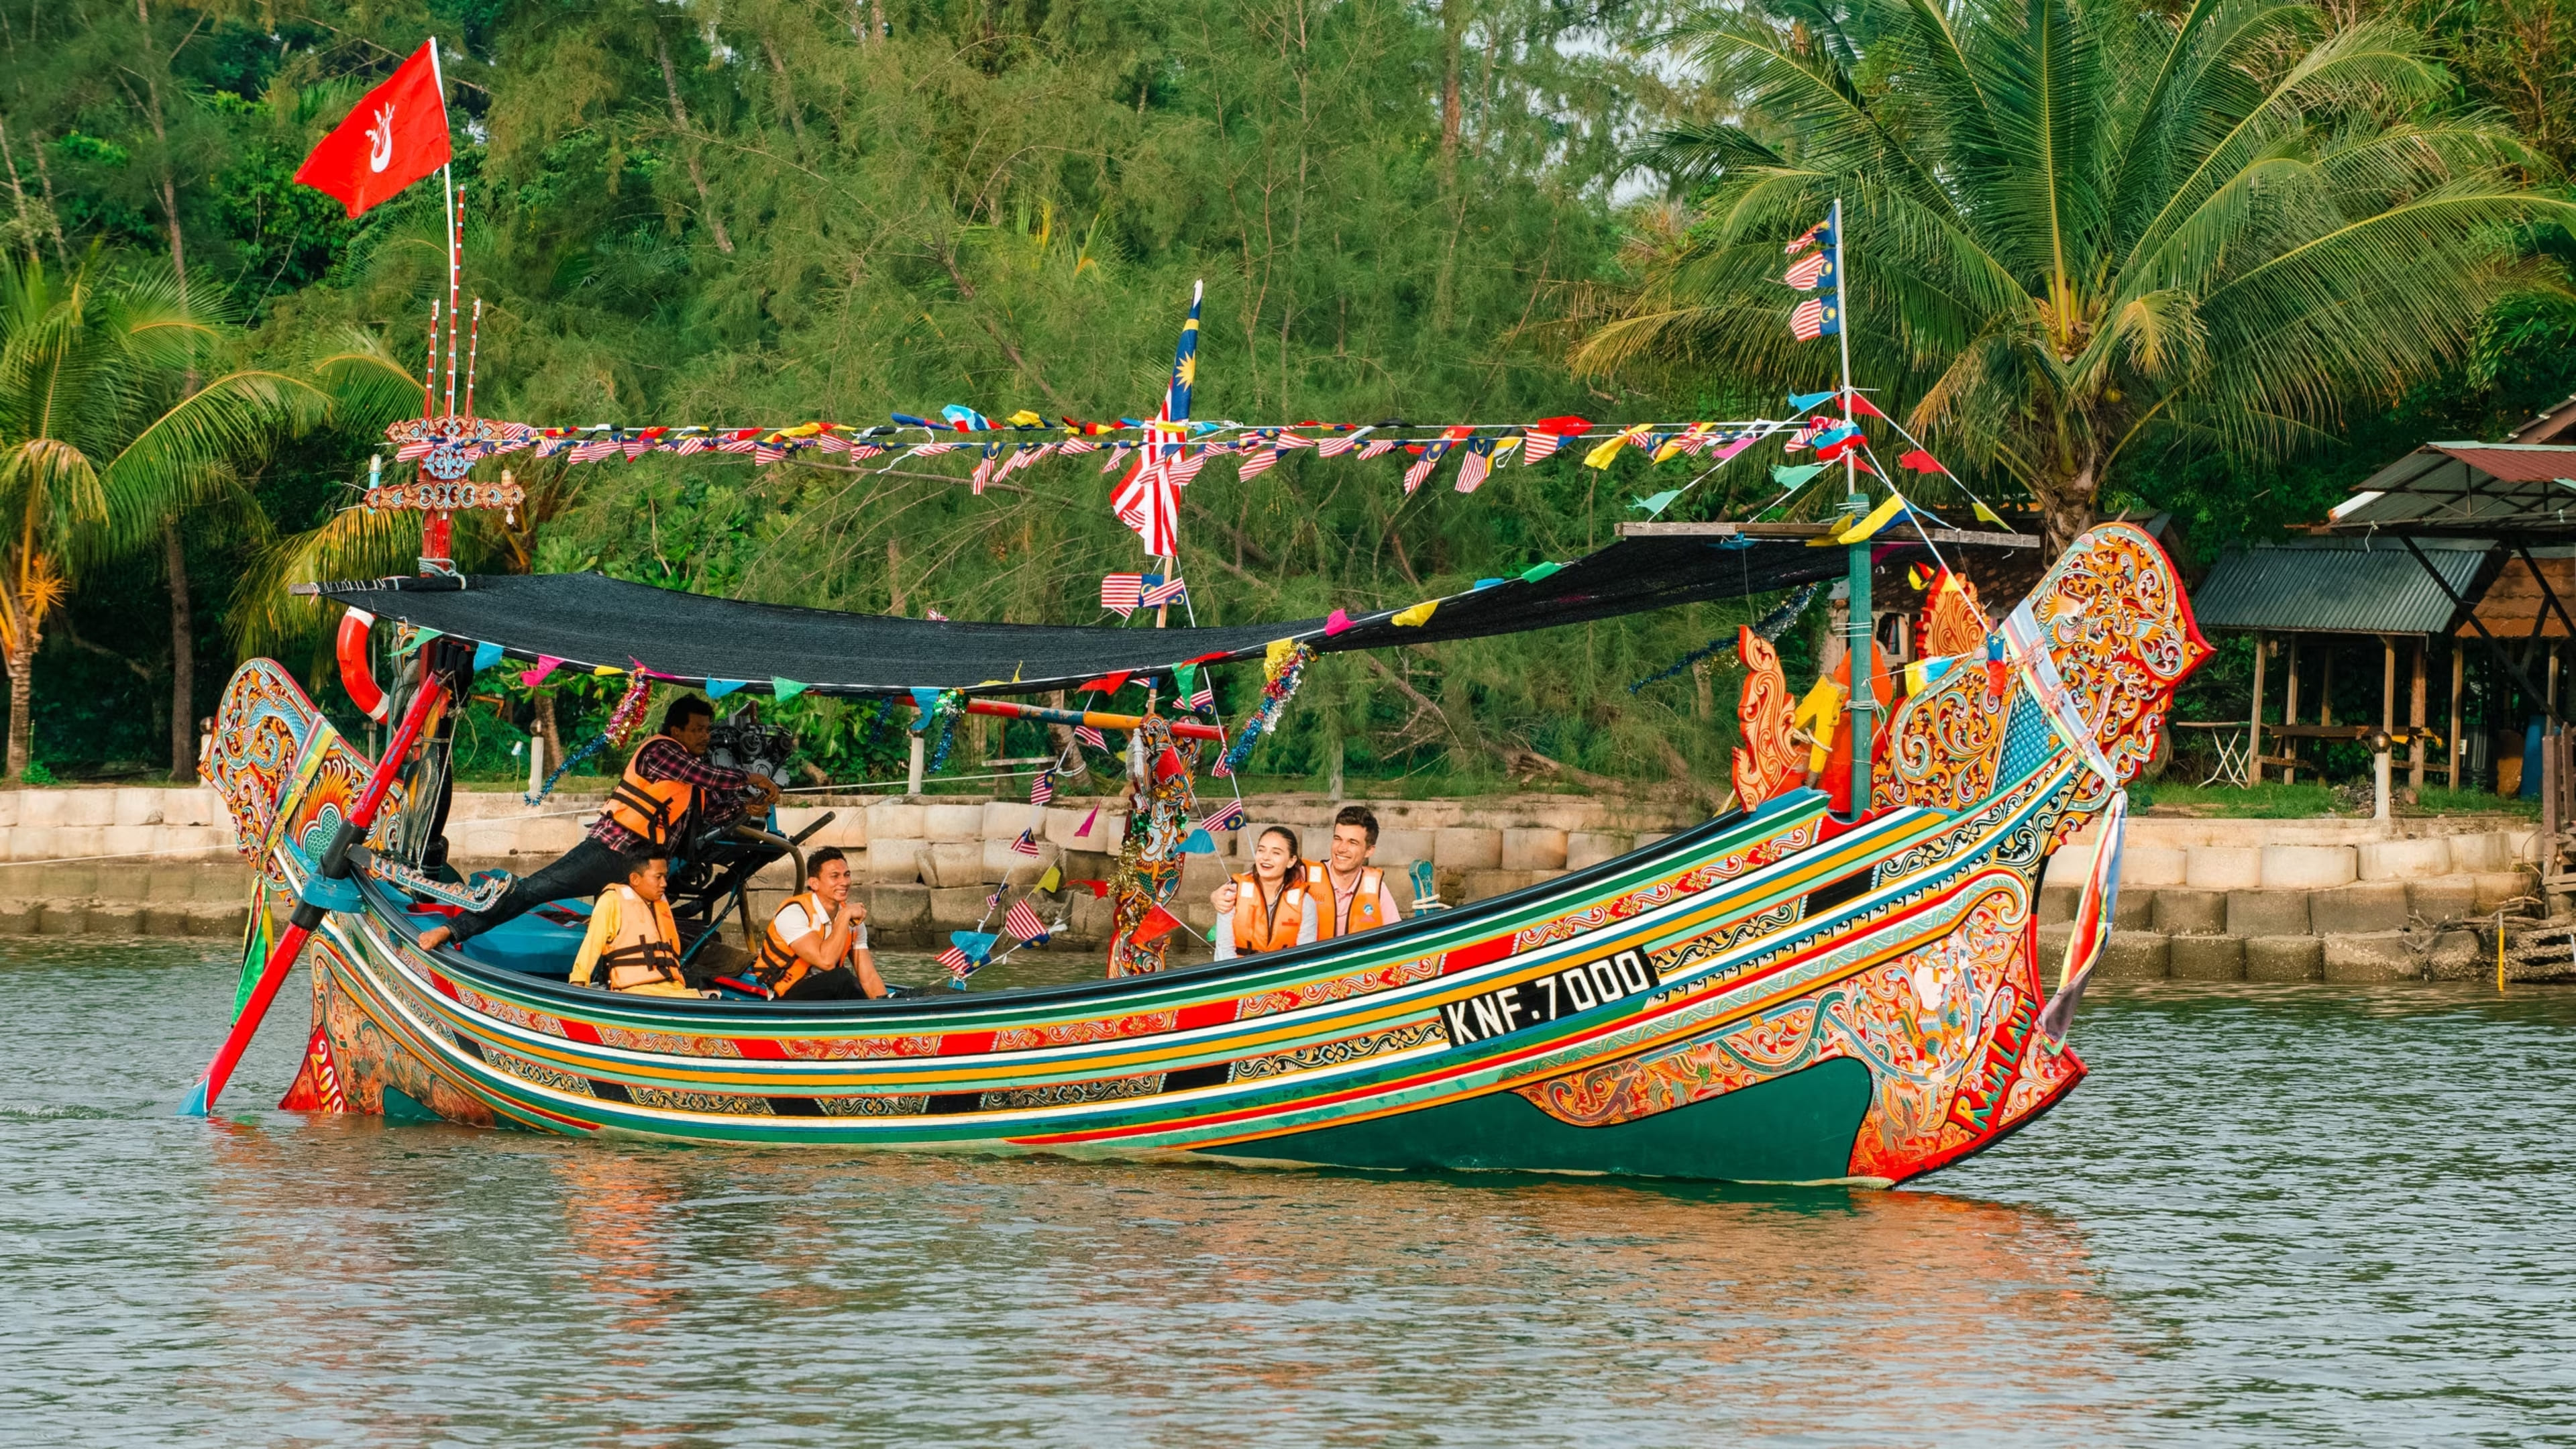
(2517, 490)
(2337, 587)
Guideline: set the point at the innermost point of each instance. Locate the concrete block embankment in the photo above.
(2299, 900)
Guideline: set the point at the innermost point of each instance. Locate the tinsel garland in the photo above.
(944, 714)
(1160, 820)
(623, 721)
(1287, 670)
(1772, 626)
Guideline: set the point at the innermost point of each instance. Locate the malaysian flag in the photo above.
(831, 442)
(1118, 452)
(1815, 318)
(1228, 816)
(1027, 844)
(592, 452)
(637, 448)
(1377, 448)
(1148, 500)
(1259, 461)
(738, 441)
(1432, 453)
(1042, 789)
(767, 453)
(1809, 272)
(1291, 440)
(861, 452)
(1160, 591)
(1822, 233)
(983, 473)
(693, 443)
(1813, 429)
(933, 450)
(1478, 462)
(1202, 694)
(1336, 447)
(957, 962)
(1022, 921)
(1122, 593)
(1091, 737)
(1076, 447)
(1538, 447)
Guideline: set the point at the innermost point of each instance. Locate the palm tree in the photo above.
(2082, 234)
(100, 441)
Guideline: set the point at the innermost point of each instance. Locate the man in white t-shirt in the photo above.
(816, 948)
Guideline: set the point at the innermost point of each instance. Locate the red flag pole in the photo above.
(328, 881)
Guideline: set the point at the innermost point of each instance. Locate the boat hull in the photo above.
(1772, 997)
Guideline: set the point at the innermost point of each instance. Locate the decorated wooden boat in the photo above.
(1779, 995)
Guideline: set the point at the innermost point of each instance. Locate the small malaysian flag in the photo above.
(409, 451)
(1258, 462)
(1814, 318)
(861, 452)
(1822, 231)
(1809, 271)
(637, 448)
(1076, 447)
(957, 962)
(1228, 816)
(983, 473)
(592, 452)
(1164, 591)
(1377, 448)
(1122, 593)
(1203, 696)
(1432, 453)
(1336, 447)
(1538, 447)
(1117, 455)
(933, 450)
(765, 453)
(693, 443)
(831, 442)
(1091, 737)
(1186, 467)
(739, 441)
(1291, 440)
(1022, 921)
(1027, 844)
(1042, 789)
(1478, 462)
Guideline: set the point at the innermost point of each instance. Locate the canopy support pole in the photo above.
(1862, 623)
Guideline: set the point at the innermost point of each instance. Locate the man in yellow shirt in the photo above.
(632, 944)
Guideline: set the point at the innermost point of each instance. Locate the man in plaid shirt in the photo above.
(675, 757)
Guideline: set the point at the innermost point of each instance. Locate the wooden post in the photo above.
(2415, 723)
(2254, 730)
(2290, 713)
(2459, 687)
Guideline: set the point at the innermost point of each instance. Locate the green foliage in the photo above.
(2085, 241)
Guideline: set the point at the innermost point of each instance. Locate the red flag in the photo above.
(1157, 924)
(1107, 683)
(1860, 407)
(397, 135)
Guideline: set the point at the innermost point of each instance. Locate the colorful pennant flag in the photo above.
(784, 690)
(546, 664)
(1655, 505)
(485, 656)
(719, 688)
(1157, 924)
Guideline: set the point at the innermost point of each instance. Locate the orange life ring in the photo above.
(357, 675)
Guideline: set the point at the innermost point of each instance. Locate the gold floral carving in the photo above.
(1765, 763)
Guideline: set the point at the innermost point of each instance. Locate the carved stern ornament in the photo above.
(1767, 763)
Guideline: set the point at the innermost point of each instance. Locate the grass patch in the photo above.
(2310, 801)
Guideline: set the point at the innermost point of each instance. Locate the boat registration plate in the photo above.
(1536, 1002)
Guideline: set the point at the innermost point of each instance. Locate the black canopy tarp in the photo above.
(591, 619)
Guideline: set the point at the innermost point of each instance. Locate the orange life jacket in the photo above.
(779, 967)
(1253, 931)
(1364, 911)
(652, 809)
(644, 953)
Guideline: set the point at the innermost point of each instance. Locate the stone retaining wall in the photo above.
(2259, 900)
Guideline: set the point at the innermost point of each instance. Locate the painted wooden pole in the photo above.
(332, 874)
(1006, 709)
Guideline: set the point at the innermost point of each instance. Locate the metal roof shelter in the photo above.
(2339, 586)
(2521, 492)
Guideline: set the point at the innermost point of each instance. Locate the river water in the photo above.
(2273, 1216)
